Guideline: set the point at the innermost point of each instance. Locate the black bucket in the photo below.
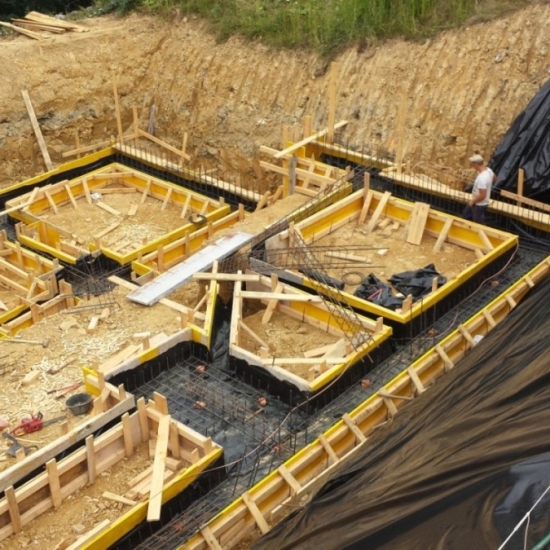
(80, 403)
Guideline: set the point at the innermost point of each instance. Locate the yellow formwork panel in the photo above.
(461, 233)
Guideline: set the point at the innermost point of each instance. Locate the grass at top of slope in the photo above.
(327, 26)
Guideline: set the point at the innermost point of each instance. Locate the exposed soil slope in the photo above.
(450, 95)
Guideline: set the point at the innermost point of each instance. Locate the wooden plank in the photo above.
(90, 458)
(486, 242)
(112, 227)
(143, 422)
(158, 141)
(13, 509)
(185, 206)
(127, 433)
(290, 479)
(41, 17)
(307, 140)
(166, 199)
(53, 480)
(37, 131)
(258, 295)
(51, 202)
(466, 334)
(415, 379)
(256, 514)
(209, 538)
(332, 101)
(524, 200)
(117, 113)
(157, 482)
(86, 149)
(351, 257)
(26, 32)
(417, 222)
(117, 498)
(378, 212)
(443, 235)
(271, 306)
(332, 456)
(359, 435)
(204, 276)
(145, 191)
(107, 208)
(521, 179)
(445, 358)
(86, 190)
(252, 334)
(489, 318)
(71, 196)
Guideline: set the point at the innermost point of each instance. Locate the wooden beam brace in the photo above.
(332, 456)
(159, 464)
(443, 235)
(256, 513)
(37, 131)
(359, 435)
(445, 358)
(307, 140)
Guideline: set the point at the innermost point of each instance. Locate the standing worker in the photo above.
(481, 190)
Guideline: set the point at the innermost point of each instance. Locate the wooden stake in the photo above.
(378, 212)
(185, 206)
(146, 190)
(53, 480)
(332, 101)
(86, 190)
(183, 148)
(71, 197)
(521, 177)
(37, 131)
(143, 422)
(417, 222)
(136, 123)
(256, 513)
(90, 458)
(166, 199)
(332, 456)
(117, 112)
(443, 235)
(13, 509)
(127, 434)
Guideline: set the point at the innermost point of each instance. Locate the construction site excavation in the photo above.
(208, 321)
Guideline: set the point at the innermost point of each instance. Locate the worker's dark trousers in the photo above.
(475, 213)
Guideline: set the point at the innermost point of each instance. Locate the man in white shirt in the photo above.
(481, 191)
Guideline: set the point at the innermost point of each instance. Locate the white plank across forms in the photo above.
(153, 291)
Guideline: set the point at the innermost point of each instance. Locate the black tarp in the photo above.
(456, 469)
(527, 145)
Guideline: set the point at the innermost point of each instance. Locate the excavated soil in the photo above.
(286, 336)
(70, 347)
(443, 97)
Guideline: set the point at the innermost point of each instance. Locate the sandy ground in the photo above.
(83, 509)
(287, 337)
(446, 96)
(401, 256)
(70, 347)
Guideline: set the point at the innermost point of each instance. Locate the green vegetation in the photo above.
(323, 25)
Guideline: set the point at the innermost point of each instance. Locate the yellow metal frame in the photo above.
(462, 233)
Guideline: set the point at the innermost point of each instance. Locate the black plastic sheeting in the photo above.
(527, 145)
(459, 467)
(416, 283)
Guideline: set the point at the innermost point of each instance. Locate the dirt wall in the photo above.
(446, 96)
